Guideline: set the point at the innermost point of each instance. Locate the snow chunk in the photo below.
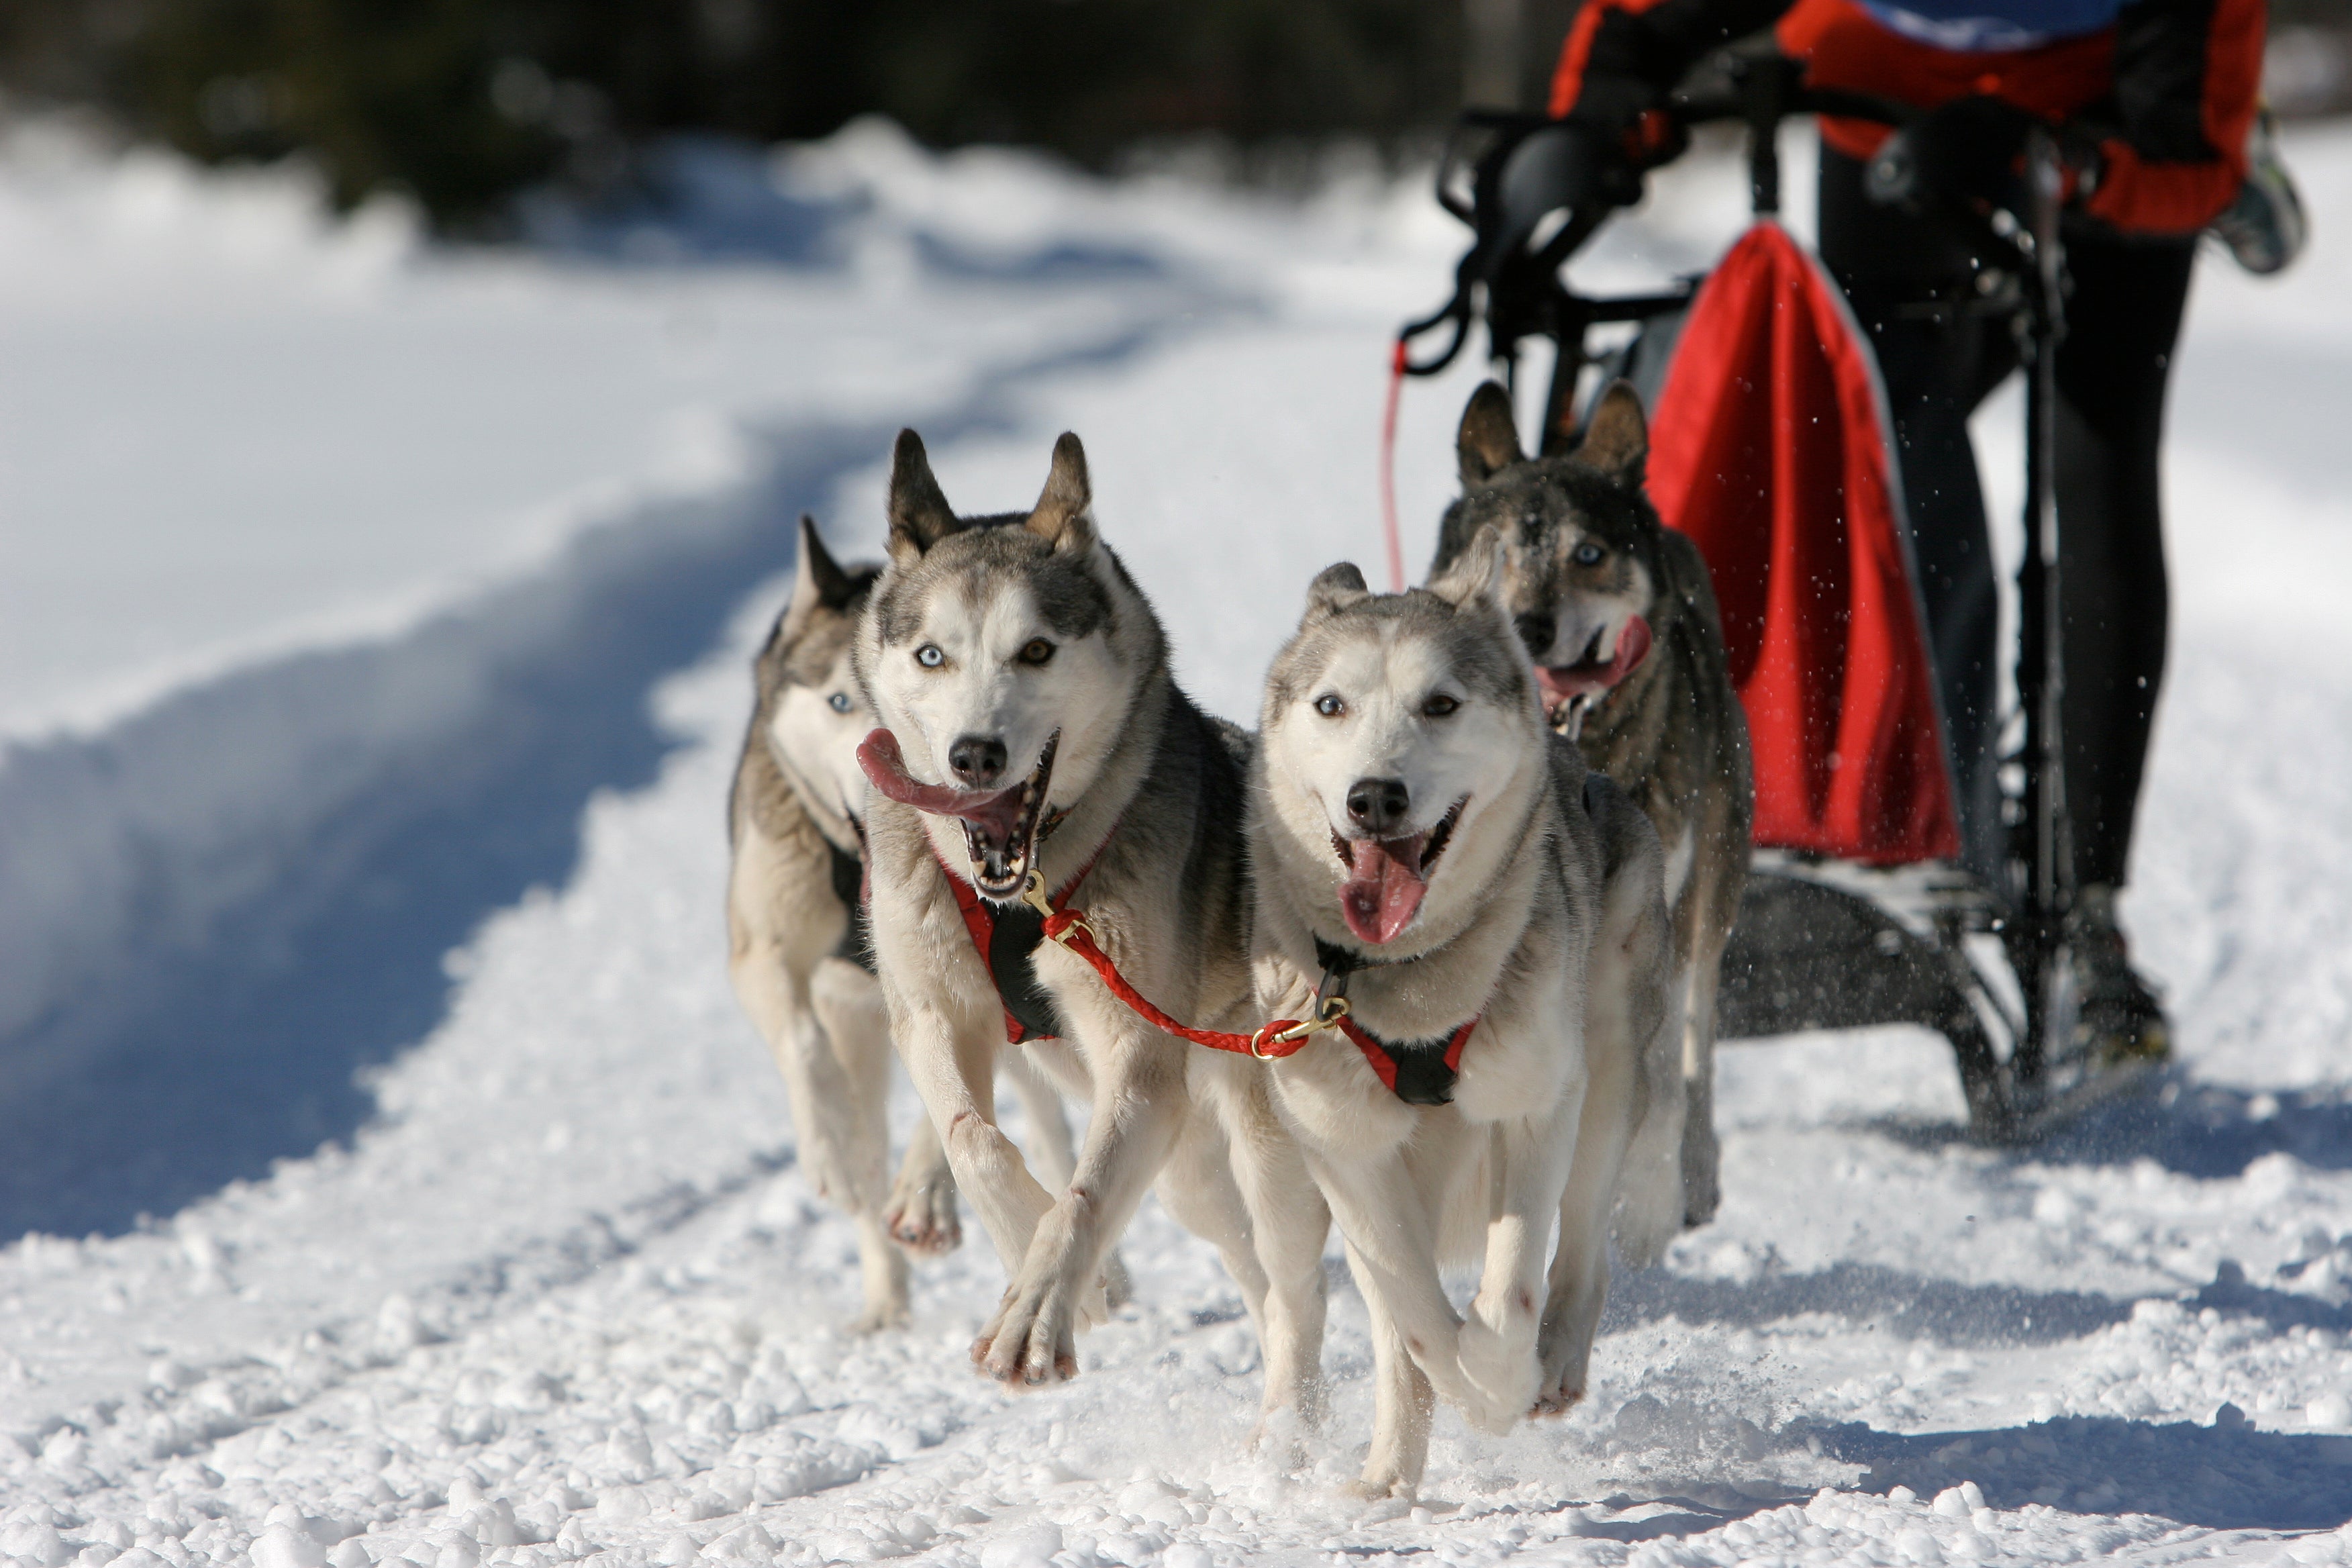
(1034, 1545)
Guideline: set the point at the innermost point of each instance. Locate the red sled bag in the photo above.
(1770, 448)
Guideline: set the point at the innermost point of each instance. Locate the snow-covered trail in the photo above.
(564, 1295)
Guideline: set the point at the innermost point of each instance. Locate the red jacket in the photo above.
(2176, 79)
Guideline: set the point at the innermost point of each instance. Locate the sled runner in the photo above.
(1770, 449)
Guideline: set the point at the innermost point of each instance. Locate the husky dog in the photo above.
(1596, 582)
(1436, 866)
(797, 950)
(1035, 740)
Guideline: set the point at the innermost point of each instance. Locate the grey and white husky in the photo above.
(1620, 615)
(1032, 727)
(796, 948)
(1427, 853)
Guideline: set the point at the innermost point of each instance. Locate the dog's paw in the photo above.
(1702, 1193)
(1030, 1343)
(1500, 1375)
(1380, 1485)
(921, 1216)
(826, 1167)
(1560, 1386)
(1556, 1401)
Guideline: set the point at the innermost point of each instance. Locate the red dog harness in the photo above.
(1419, 1073)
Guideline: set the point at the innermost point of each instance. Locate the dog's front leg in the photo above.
(1385, 1214)
(921, 1215)
(1288, 1223)
(1701, 1153)
(1140, 1102)
(823, 1100)
(848, 1005)
(1053, 1153)
(1403, 1404)
(954, 1070)
(1618, 1064)
(1237, 1180)
(1530, 1168)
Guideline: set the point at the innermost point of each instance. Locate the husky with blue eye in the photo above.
(796, 944)
(1435, 868)
(1035, 754)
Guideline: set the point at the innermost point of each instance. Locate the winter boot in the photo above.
(2265, 227)
(2118, 1021)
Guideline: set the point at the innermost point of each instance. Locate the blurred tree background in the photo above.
(459, 103)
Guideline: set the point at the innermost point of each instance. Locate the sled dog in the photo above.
(1430, 859)
(1033, 742)
(1596, 582)
(796, 948)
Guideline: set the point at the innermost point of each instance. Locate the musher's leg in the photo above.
(1937, 372)
(2123, 319)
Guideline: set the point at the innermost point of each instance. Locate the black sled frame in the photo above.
(1820, 943)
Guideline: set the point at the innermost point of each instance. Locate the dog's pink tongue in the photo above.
(1590, 678)
(995, 812)
(1383, 887)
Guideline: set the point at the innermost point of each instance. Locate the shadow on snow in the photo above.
(2206, 1131)
(208, 1040)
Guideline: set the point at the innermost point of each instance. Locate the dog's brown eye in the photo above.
(1330, 705)
(1037, 650)
(1438, 706)
(1587, 554)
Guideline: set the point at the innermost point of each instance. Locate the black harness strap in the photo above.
(1007, 937)
(1012, 941)
(1419, 1072)
(849, 887)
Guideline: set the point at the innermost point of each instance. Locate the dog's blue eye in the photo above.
(1588, 555)
(838, 702)
(1439, 705)
(1330, 705)
(930, 657)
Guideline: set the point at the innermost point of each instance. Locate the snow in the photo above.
(432, 797)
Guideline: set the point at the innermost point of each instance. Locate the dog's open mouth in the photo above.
(1590, 678)
(1388, 876)
(1000, 825)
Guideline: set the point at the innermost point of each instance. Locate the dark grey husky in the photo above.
(1619, 616)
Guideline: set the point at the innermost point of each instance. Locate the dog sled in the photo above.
(1771, 450)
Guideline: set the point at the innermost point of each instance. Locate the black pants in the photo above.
(2123, 316)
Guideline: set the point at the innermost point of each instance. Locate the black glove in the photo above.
(1966, 153)
(1566, 164)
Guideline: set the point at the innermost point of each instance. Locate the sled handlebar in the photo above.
(1527, 160)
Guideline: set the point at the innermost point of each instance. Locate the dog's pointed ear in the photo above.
(1477, 573)
(820, 580)
(1063, 515)
(1617, 438)
(1335, 588)
(1489, 438)
(919, 514)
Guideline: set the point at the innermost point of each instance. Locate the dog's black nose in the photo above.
(978, 760)
(1379, 805)
(1537, 630)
